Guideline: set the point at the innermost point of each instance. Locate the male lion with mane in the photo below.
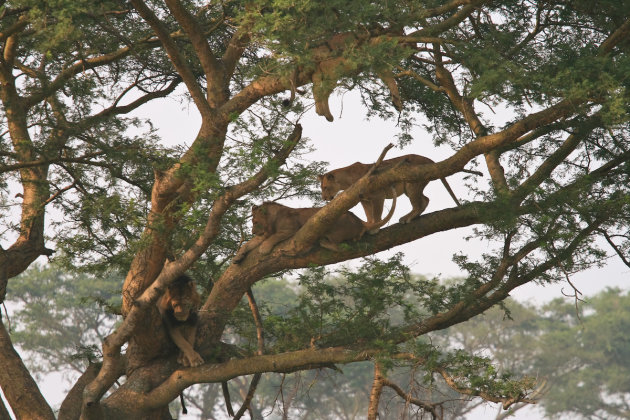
(178, 308)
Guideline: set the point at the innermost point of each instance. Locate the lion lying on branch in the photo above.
(273, 223)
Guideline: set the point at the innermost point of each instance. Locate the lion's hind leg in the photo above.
(328, 244)
(419, 201)
(266, 247)
(373, 212)
(246, 248)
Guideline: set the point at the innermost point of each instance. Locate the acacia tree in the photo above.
(558, 171)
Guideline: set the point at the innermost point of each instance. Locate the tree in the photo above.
(592, 376)
(578, 351)
(548, 342)
(558, 171)
(62, 318)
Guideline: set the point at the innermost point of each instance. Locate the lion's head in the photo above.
(182, 298)
(329, 185)
(260, 222)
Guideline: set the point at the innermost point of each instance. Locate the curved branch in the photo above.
(507, 402)
(411, 400)
(209, 63)
(451, 21)
(557, 157)
(261, 348)
(114, 342)
(81, 66)
(619, 35)
(176, 58)
(615, 248)
(235, 49)
(18, 26)
(19, 388)
(125, 109)
(445, 8)
(213, 373)
(375, 393)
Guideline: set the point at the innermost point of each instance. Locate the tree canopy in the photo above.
(98, 191)
(579, 355)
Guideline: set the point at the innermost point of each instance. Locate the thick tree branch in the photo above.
(18, 386)
(282, 363)
(259, 88)
(113, 343)
(30, 243)
(212, 67)
(375, 392)
(620, 34)
(214, 373)
(235, 49)
(179, 62)
(16, 27)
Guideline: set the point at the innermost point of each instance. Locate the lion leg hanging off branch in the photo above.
(330, 67)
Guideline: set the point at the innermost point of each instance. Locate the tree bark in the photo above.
(20, 390)
(4, 412)
(375, 393)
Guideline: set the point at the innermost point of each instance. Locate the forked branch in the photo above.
(428, 407)
(261, 348)
(114, 342)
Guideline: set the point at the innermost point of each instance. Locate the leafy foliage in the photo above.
(61, 318)
(101, 187)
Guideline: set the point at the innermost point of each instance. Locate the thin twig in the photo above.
(411, 400)
(615, 248)
(8, 318)
(261, 348)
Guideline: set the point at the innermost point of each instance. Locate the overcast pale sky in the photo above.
(350, 138)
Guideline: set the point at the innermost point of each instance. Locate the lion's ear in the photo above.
(320, 177)
(254, 207)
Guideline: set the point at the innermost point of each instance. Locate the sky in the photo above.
(350, 138)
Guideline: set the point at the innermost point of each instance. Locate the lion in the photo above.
(178, 308)
(273, 223)
(340, 179)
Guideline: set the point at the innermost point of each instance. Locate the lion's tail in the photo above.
(450, 191)
(379, 224)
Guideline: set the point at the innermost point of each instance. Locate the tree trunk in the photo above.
(18, 386)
